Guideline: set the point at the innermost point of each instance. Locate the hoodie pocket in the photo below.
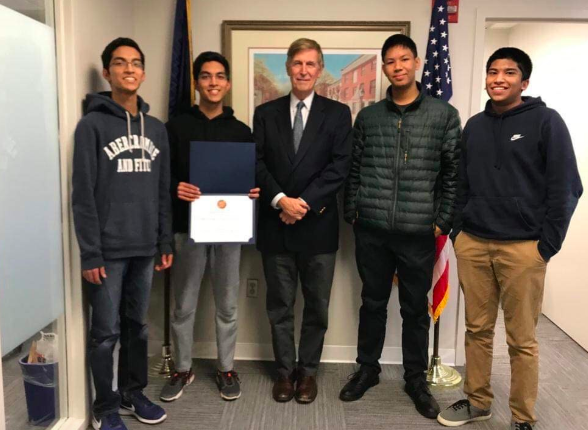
(532, 216)
(131, 223)
(501, 216)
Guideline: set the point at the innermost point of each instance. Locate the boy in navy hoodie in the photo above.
(518, 188)
(122, 215)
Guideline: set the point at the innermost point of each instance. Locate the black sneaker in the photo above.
(521, 426)
(229, 384)
(174, 388)
(423, 400)
(359, 383)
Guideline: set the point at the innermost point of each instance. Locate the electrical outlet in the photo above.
(252, 288)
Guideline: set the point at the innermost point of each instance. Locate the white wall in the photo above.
(558, 52)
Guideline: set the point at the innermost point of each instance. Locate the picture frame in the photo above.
(352, 74)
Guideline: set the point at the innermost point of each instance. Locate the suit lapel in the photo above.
(315, 120)
(284, 124)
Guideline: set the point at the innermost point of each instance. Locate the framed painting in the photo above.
(352, 72)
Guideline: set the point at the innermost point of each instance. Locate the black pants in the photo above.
(316, 277)
(379, 255)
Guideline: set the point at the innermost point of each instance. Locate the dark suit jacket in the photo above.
(315, 173)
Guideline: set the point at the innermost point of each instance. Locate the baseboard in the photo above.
(331, 353)
(71, 424)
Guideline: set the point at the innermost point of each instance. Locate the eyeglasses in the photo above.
(122, 64)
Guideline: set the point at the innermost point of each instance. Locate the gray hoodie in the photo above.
(120, 199)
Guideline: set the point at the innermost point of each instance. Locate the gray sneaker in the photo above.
(229, 384)
(174, 388)
(521, 426)
(462, 412)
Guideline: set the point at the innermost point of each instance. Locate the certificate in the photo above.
(224, 172)
(222, 219)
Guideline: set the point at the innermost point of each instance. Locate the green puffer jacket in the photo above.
(403, 176)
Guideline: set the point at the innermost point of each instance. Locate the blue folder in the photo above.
(222, 167)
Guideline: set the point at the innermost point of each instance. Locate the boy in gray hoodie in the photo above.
(122, 216)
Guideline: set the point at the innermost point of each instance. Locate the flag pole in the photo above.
(182, 96)
(440, 375)
(437, 82)
(167, 365)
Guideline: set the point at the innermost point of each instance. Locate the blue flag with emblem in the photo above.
(181, 86)
(436, 77)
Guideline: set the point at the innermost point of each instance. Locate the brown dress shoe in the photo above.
(283, 390)
(306, 390)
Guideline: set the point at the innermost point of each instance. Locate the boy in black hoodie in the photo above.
(518, 188)
(122, 215)
(210, 121)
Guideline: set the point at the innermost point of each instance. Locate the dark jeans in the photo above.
(316, 277)
(119, 311)
(379, 255)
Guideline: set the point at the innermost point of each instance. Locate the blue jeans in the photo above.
(119, 311)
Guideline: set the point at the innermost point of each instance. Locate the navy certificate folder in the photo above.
(222, 167)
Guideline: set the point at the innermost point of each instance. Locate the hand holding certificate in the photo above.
(225, 174)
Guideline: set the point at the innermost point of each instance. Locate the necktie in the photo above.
(298, 126)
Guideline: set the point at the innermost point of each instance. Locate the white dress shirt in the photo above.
(305, 112)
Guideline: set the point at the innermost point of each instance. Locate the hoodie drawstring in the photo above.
(129, 131)
(142, 135)
(141, 139)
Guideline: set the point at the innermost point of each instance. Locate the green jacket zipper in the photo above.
(397, 172)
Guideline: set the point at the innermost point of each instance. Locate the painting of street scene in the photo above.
(352, 77)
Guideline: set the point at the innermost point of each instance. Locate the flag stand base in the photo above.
(440, 375)
(166, 366)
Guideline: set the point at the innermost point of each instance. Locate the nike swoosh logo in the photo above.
(516, 137)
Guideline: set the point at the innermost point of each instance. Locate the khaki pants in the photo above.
(512, 272)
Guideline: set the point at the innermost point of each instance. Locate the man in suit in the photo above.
(303, 158)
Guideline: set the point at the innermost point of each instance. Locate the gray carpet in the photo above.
(562, 402)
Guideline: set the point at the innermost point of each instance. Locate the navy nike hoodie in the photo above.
(120, 199)
(518, 177)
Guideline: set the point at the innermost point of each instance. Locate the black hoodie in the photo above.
(120, 197)
(518, 177)
(195, 126)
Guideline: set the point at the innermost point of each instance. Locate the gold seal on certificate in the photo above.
(222, 204)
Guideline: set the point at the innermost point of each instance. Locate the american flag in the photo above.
(437, 82)
(440, 277)
(437, 68)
